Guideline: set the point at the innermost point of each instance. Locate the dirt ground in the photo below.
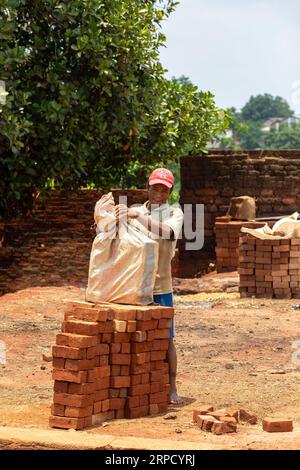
(231, 352)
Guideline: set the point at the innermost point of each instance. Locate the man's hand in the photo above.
(123, 213)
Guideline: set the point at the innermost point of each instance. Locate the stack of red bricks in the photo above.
(227, 242)
(221, 421)
(110, 362)
(269, 268)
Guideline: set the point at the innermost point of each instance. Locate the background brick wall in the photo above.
(273, 177)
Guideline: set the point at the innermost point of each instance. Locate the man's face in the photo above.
(158, 194)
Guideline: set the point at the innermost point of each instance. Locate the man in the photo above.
(164, 223)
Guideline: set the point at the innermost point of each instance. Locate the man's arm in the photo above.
(154, 226)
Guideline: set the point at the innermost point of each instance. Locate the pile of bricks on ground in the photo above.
(227, 242)
(225, 420)
(269, 268)
(110, 362)
(221, 421)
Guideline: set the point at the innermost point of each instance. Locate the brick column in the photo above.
(110, 362)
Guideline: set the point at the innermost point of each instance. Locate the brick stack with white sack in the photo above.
(123, 261)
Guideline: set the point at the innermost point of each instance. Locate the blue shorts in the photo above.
(166, 300)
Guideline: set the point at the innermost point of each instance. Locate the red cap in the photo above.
(161, 176)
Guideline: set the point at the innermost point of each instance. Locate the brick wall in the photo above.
(52, 247)
(273, 177)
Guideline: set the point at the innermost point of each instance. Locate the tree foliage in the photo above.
(88, 103)
(284, 138)
(262, 107)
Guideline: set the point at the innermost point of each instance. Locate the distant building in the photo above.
(277, 122)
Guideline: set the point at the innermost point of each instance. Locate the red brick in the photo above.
(58, 362)
(88, 314)
(131, 326)
(115, 348)
(133, 402)
(120, 381)
(73, 412)
(61, 387)
(139, 412)
(202, 410)
(141, 389)
(58, 410)
(155, 387)
(125, 370)
(145, 378)
(122, 359)
(105, 405)
(98, 373)
(139, 358)
(151, 335)
(136, 379)
(115, 370)
(102, 383)
(153, 409)
(123, 392)
(80, 389)
(144, 315)
(120, 414)
(72, 399)
(68, 353)
(164, 323)
(99, 349)
(66, 423)
(124, 313)
(120, 326)
(121, 337)
(75, 341)
(139, 336)
(162, 334)
(146, 325)
(69, 376)
(102, 361)
(167, 312)
(81, 327)
(107, 338)
(125, 348)
(101, 395)
(114, 393)
(140, 369)
(156, 375)
(158, 397)
(248, 416)
(158, 355)
(277, 425)
(117, 403)
(106, 327)
(101, 417)
(137, 348)
(77, 365)
(157, 365)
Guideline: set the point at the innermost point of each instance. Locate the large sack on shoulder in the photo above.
(123, 262)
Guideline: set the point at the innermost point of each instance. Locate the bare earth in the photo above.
(231, 352)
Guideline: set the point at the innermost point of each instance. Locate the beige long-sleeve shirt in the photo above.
(173, 218)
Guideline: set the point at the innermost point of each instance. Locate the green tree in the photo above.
(285, 138)
(262, 107)
(88, 103)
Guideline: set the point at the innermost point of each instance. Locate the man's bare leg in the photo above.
(172, 360)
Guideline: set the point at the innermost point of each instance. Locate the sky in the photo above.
(236, 48)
